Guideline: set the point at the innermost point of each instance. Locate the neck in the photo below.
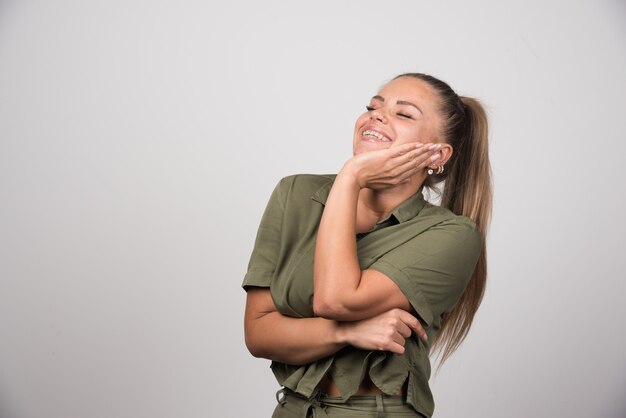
(376, 205)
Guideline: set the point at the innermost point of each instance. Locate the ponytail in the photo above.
(466, 192)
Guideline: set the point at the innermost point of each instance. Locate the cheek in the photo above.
(423, 134)
(410, 134)
(360, 121)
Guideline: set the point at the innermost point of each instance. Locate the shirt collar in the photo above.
(410, 207)
(405, 211)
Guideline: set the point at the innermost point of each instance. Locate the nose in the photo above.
(377, 115)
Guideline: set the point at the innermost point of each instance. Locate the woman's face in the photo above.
(405, 110)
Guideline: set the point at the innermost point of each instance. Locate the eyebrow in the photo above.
(400, 102)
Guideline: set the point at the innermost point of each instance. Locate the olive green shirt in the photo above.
(428, 251)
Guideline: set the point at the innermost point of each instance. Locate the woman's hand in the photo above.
(386, 332)
(391, 166)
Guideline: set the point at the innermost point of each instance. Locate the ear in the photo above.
(446, 153)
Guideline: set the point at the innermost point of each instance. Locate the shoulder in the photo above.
(450, 226)
(308, 180)
(304, 185)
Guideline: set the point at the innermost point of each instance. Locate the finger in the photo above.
(410, 152)
(409, 159)
(414, 324)
(404, 166)
(396, 348)
(415, 153)
(422, 162)
(398, 339)
(434, 158)
(409, 163)
(392, 346)
(404, 330)
(431, 153)
(404, 148)
(420, 157)
(421, 333)
(405, 171)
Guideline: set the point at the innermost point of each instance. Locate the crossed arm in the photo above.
(366, 308)
(272, 335)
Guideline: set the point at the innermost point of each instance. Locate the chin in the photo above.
(365, 146)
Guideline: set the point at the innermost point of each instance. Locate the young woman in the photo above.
(355, 276)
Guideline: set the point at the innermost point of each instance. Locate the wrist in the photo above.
(341, 333)
(348, 176)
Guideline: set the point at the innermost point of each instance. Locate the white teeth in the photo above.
(376, 135)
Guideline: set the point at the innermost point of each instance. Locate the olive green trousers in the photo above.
(294, 405)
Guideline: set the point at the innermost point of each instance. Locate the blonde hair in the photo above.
(467, 191)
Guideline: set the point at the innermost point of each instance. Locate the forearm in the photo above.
(342, 291)
(274, 336)
(298, 341)
(336, 269)
(293, 340)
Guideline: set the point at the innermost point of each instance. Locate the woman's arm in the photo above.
(342, 290)
(298, 341)
(271, 335)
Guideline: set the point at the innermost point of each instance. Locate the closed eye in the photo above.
(369, 108)
(404, 115)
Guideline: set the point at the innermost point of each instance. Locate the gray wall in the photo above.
(139, 142)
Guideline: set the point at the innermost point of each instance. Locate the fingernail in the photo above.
(419, 145)
(434, 157)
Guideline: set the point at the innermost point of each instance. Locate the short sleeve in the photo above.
(267, 244)
(433, 268)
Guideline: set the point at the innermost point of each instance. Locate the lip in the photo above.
(375, 129)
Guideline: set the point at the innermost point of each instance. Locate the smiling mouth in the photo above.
(375, 135)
